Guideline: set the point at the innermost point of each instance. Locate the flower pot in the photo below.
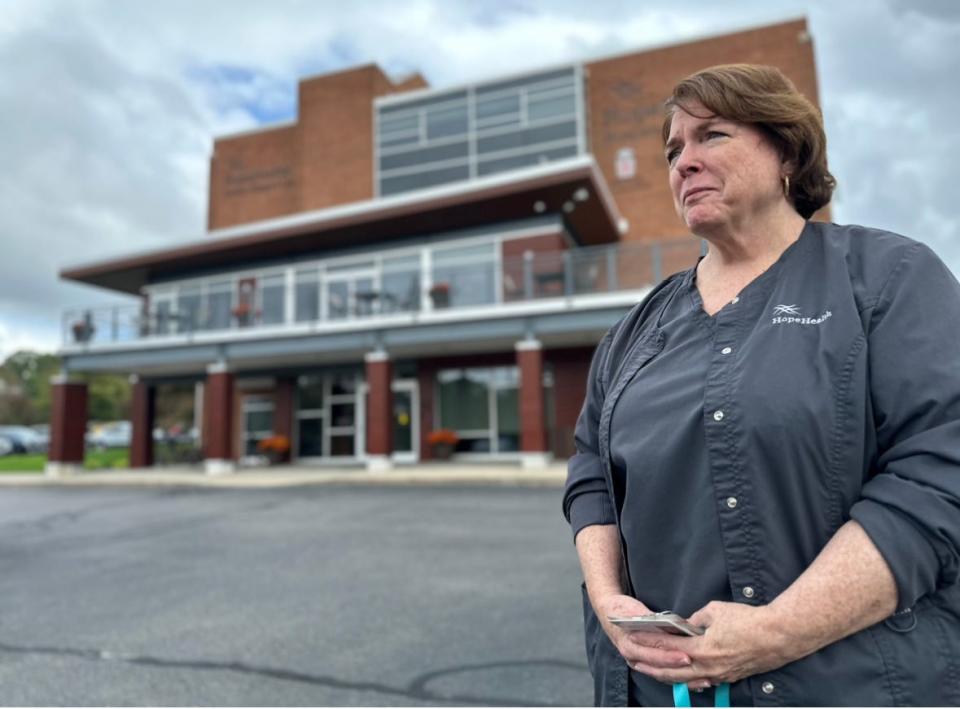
(440, 295)
(442, 451)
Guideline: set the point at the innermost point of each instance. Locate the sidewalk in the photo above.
(290, 475)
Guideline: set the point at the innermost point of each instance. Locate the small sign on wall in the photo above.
(625, 165)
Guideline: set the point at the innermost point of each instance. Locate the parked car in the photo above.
(6, 447)
(114, 434)
(42, 430)
(24, 439)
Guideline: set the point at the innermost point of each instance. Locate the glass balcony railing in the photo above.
(313, 297)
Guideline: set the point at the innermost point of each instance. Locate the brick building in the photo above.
(401, 259)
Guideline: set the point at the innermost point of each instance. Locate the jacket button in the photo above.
(748, 592)
(726, 350)
(736, 299)
(767, 687)
(718, 416)
(732, 502)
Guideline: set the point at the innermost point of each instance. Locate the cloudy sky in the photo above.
(109, 108)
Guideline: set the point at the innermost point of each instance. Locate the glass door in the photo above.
(405, 419)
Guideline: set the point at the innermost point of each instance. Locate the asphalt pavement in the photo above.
(346, 595)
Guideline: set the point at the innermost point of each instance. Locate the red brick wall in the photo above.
(533, 435)
(570, 369)
(325, 159)
(379, 408)
(142, 412)
(68, 422)
(253, 177)
(625, 98)
(218, 417)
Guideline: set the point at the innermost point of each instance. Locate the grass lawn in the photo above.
(34, 462)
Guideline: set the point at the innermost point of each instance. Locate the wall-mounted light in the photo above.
(539, 206)
(568, 206)
(581, 195)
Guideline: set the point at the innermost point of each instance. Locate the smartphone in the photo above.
(666, 621)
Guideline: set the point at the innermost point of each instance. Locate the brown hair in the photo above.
(763, 97)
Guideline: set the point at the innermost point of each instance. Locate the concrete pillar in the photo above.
(218, 433)
(379, 411)
(533, 431)
(142, 411)
(68, 426)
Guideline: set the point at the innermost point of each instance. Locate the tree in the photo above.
(25, 393)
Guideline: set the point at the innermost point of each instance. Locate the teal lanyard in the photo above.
(681, 695)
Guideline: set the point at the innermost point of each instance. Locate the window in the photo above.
(486, 129)
(482, 406)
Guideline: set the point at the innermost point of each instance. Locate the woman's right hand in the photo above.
(635, 646)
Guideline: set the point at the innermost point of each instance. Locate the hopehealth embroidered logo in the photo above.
(786, 310)
(790, 315)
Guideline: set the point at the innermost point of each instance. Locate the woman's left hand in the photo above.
(740, 641)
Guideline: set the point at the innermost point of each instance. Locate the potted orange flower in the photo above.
(442, 442)
(275, 448)
(440, 295)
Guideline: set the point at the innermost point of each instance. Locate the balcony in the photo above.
(463, 283)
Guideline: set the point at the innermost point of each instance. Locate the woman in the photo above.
(770, 442)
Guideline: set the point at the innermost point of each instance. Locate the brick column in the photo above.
(533, 431)
(218, 449)
(379, 411)
(142, 416)
(68, 426)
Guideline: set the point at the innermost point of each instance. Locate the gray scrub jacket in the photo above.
(832, 392)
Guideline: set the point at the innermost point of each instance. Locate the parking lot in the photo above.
(315, 595)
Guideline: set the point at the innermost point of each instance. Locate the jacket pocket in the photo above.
(921, 651)
(611, 676)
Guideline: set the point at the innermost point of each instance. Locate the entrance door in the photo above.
(406, 419)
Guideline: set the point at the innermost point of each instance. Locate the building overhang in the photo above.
(574, 188)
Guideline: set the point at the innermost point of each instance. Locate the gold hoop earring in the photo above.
(786, 186)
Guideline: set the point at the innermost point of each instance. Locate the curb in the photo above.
(552, 476)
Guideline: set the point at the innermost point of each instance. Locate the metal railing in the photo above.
(533, 276)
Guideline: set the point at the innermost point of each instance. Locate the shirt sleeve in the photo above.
(910, 507)
(586, 497)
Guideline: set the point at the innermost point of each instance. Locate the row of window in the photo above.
(480, 404)
(480, 131)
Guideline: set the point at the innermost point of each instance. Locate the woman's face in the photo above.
(722, 172)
